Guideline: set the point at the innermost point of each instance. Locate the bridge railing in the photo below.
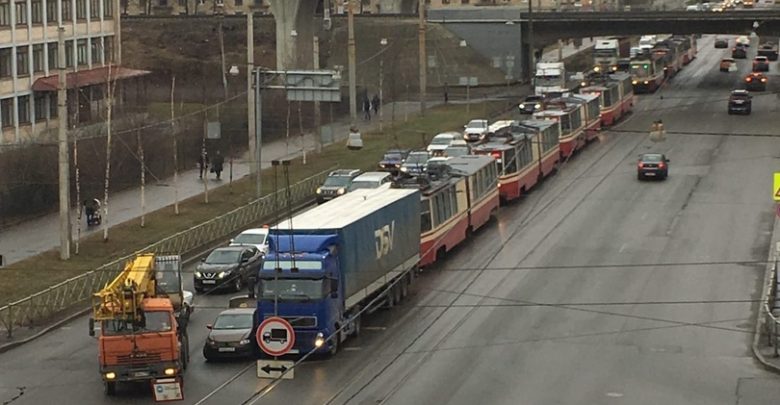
(77, 291)
(771, 309)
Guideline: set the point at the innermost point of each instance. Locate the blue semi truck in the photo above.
(325, 265)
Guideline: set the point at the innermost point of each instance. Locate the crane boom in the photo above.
(121, 298)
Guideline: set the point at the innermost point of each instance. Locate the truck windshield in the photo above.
(292, 289)
(605, 53)
(152, 321)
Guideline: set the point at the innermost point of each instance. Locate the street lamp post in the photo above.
(233, 72)
(383, 42)
(463, 44)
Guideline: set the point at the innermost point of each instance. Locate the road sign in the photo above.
(275, 336)
(776, 187)
(275, 368)
(167, 389)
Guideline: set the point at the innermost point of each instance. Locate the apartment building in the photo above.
(28, 63)
(194, 7)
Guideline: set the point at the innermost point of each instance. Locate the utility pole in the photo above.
(423, 57)
(252, 130)
(531, 61)
(62, 137)
(317, 112)
(351, 62)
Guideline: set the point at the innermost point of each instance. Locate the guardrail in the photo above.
(772, 312)
(78, 290)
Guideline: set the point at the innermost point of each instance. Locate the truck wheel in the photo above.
(397, 294)
(405, 286)
(110, 388)
(356, 324)
(334, 347)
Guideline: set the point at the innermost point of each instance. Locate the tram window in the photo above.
(607, 97)
(614, 93)
(425, 216)
(576, 121)
(566, 123)
(525, 156)
(510, 159)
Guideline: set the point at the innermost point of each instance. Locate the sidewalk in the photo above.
(39, 235)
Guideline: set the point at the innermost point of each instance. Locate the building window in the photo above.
(36, 9)
(108, 50)
(95, 50)
(66, 10)
(6, 58)
(51, 11)
(94, 9)
(239, 3)
(24, 109)
(68, 53)
(22, 61)
(21, 13)
(53, 107)
(81, 9)
(108, 8)
(52, 55)
(38, 62)
(40, 107)
(82, 51)
(5, 13)
(7, 112)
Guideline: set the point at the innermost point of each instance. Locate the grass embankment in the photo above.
(39, 272)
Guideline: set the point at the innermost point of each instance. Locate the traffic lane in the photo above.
(609, 229)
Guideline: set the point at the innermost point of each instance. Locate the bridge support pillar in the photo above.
(294, 33)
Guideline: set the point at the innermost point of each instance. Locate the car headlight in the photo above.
(198, 274)
(404, 169)
(596, 69)
(319, 190)
(244, 342)
(634, 82)
(110, 375)
(341, 191)
(319, 340)
(223, 274)
(537, 106)
(646, 82)
(170, 371)
(522, 105)
(210, 341)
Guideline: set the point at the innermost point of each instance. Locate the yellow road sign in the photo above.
(776, 187)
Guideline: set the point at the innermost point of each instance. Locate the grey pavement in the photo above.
(38, 235)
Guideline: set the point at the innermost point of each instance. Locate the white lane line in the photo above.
(622, 247)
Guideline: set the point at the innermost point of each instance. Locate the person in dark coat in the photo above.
(375, 104)
(367, 109)
(216, 165)
(203, 162)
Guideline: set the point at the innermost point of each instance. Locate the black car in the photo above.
(739, 52)
(531, 104)
(760, 64)
(721, 43)
(230, 335)
(393, 159)
(740, 102)
(654, 165)
(229, 267)
(336, 184)
(755, 82)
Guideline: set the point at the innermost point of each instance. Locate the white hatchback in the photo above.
(442, 141)
(257, 237)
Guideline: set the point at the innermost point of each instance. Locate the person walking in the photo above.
(367, 109)
(216, 165)
(203, 162)
(375, 104)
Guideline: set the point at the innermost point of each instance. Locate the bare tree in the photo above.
(110, 88)
(78, 194)
(175, 152)
(143, 178)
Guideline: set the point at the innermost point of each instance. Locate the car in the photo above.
(740, 102)
(717, 9)
(257, 237)
(336, 184)
(442, 140)
(693, 7)
(727, 64)
(437, 166)
(230, 336)
(654, 165)
(415, 162)
(721, 43)
(760, 64)
(370, 180)
(531, 104)
(755, 82)
(768, 49)
(227, 267)
(392, 159)
(739, 52)
(458, 148)
(743, 40)
(475, 130)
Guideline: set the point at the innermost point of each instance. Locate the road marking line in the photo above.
(615, 394)
(622, 247)
(374, 328)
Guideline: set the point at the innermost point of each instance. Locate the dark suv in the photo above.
(336, 184)
(740, 102)
(230, 267)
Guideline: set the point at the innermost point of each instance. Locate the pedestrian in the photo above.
(216, 165)
(375, 104)
(203, 162)
(446, 93)
(367, 109)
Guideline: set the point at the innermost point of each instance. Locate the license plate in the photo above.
(209, 281)
(649, 174)
(227, 349)
(141, 374)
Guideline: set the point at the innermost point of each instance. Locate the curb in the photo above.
(760, 320)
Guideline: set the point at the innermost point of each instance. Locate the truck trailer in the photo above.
(326, 265)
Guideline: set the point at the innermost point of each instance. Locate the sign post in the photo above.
(167, 389)
(276, 337)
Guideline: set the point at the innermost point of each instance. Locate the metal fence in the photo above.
(771, 309)
(78, 290)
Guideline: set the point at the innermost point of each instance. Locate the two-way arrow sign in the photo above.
(275, 369)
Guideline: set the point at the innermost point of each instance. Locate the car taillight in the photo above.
(763, 80)
(661, 165)
(640, 165)
(748, 79)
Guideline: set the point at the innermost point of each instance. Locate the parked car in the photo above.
(230, 267)
(475, 130)
(755, 82)
(230, 335)
(415, 162)
(370, 180)
(760, 64)
(392, 159)
(728, 65)
(336, 184)
(531, 104)
(740, 102)
(721, 43)
(442, 140)
(654, 165)
(257, 237)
